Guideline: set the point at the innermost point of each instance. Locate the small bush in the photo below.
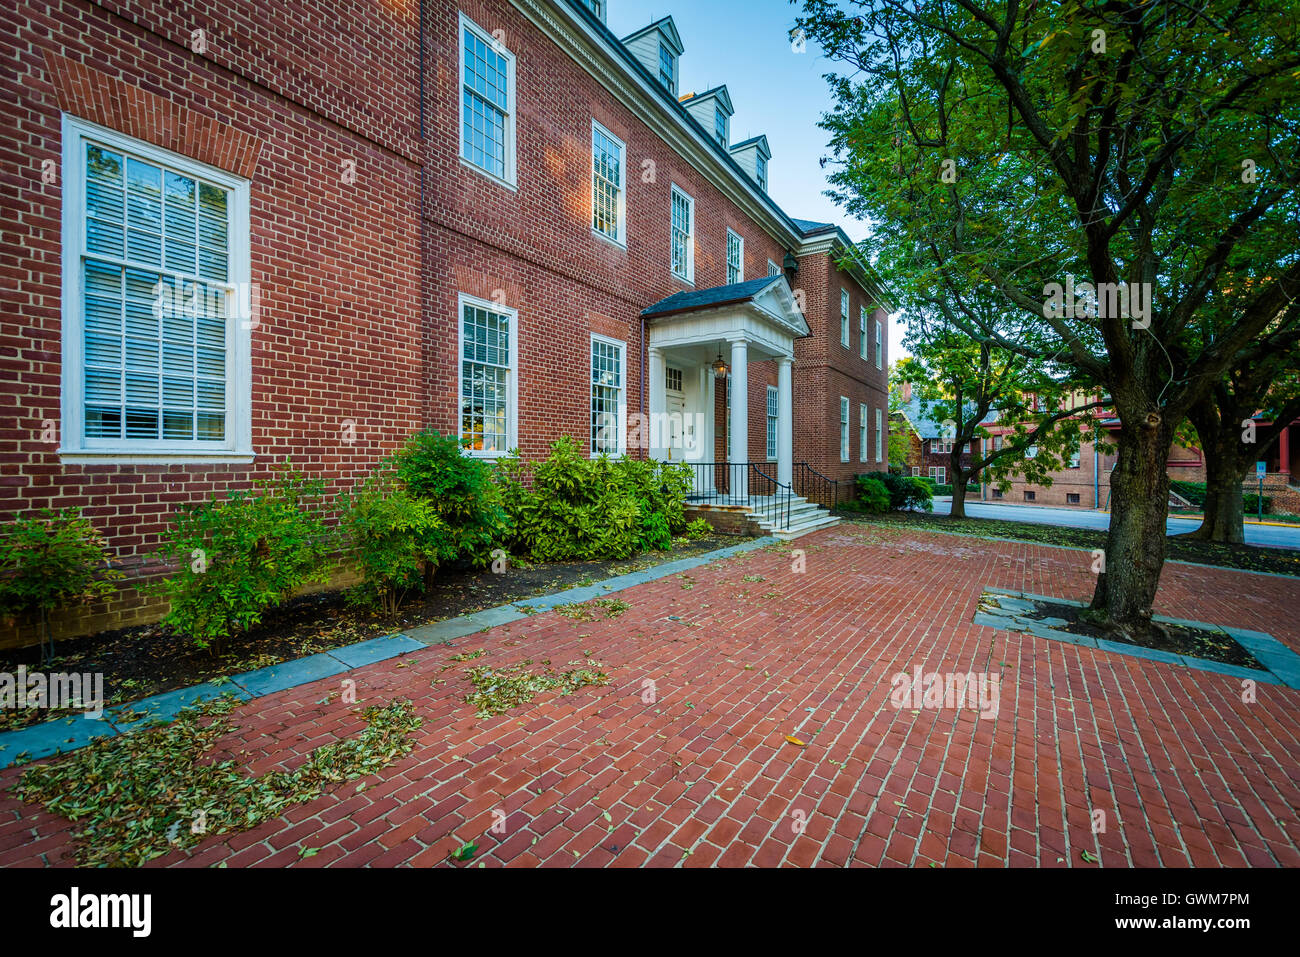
(873, 496)
(239, 556)
(584, 509)
(51, 560)
(1195, 492)
(700, 528)
(905, 492)
(462, 493)
(389, 530)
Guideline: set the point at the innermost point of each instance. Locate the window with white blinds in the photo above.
(487, 382)
(159, 245)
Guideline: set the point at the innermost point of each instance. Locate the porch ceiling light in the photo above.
(720, 368)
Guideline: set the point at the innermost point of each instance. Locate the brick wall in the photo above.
(356, 339)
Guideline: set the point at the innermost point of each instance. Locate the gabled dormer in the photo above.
(753, 156)
(659, 48)
(712, 109)
(597, 7)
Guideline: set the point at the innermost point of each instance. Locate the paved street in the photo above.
(1273, 535)
(683, 759)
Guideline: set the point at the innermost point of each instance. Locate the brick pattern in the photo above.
(1187, 773)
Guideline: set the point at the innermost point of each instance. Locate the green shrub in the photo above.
(873, 496)
(905, 492)
(571, 507)
(389, 531)
(700, 528)
(940, 489)
(462, 493)
(50, 560)
(1195, 493)
(239, 556)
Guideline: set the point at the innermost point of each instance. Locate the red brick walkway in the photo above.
(1186, 773)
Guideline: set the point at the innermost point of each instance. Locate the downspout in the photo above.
(645, 376)
(1096, 475)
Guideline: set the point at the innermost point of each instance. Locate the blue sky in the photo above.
(745, 44)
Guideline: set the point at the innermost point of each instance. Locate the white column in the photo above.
(739, 451)
(709, 450)
(656, 433)
(784, 421)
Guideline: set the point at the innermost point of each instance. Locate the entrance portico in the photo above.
(692, 336)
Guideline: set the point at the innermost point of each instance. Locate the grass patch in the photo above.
(1255, 558)
(593, 610)
(142, 794)
(497, 690)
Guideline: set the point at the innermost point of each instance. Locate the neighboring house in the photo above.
(234, 251)
(930, 450)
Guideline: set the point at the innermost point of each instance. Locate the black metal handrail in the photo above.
(814, 486)
(743, 484)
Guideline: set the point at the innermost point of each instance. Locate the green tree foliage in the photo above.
(1147, 150)
(50, 560)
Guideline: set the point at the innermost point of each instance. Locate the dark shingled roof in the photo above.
(703, 298)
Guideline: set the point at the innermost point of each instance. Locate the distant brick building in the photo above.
(225, 252)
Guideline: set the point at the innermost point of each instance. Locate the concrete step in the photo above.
(797, 531)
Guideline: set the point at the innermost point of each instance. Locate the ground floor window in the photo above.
(997, 493)
(939, 474)
(607, 396)
(1072, 498)
(862, 433)
(487, 351)
(772, 405)
(1029, 496)
(844, 429)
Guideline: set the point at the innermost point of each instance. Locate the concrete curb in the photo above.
(68, 734)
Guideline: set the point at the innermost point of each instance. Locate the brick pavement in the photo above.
(1186, 773)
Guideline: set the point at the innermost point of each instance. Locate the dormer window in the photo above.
(667, 68)
(720, 126)
(762, 172)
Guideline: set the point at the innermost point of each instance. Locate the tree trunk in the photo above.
(960, 480)
(1135, 544)
(1224, 507)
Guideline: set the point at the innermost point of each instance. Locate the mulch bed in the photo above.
(1204, 643)
(147, 660)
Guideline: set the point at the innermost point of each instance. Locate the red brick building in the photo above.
(236, 234)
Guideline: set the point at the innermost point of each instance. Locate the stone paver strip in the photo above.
(682, 760)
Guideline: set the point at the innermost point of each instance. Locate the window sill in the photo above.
(511, 185)
(609, 240)
(120, 457)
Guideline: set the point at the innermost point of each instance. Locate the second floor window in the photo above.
(735, 258)
(720, 126)
(844, 318)
(880, 344)
(683, 235)
(487, 105)
(607, 197)
(862, 331)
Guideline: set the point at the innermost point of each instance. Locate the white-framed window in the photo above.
(880, 344)
(862, 332)
(608, 194)
(880, 433)
(939, 474)
(1031, 452)
(683, 235)
(844, 318)
(1074, 459)
(489, 334)
(157, 303)
(720, 126)
(673, 379)
(862, 432)
(773, 269)
(608, 395)
(487, 102)
(735, 257)
(762, 172)
(916, 471)
(596, 6)
(844, 429)
(772, 407)
(667, 68)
